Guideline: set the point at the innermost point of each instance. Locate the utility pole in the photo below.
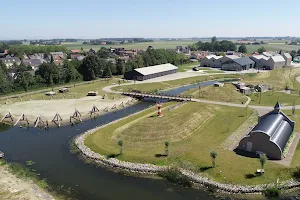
(199, 90)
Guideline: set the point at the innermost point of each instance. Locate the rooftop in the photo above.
(156, 69)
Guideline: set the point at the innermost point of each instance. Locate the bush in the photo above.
(297, 173)
(173, 175)
(272, 192)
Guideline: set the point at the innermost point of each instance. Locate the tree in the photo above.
(120, 67)
(167, 147)
(103, 53)
(107, 72)
(213, 155)
(261, 50)
(90, 67)
(293, 54)
(298, 52)
(70, 72)
(214, 39)
(242, 49)
(262, 159)
(81, 49)
(121, 143)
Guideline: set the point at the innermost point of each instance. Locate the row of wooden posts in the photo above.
(76, 117)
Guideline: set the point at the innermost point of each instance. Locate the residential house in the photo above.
(33, 63)
(185, 50)
(58, 57)
(288, 59)
(10, 61)
(238, 64)
(211, 61)
(270, 135)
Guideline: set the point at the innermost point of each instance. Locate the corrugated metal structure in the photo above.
(270, 135)
(238, 64)
(145, 73)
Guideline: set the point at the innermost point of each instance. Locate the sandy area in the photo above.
(65, 107)
(14, 188)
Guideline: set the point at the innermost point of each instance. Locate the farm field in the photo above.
(155, 44)
(193, 131)
(272, 47)
(270, 98)
(227, 93)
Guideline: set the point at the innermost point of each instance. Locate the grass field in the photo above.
(151, 87)
(74, 92)
(193, 130)
(278, 79)
(228, 93)
(155, 44)
(272, 47)
(270, 99)
(187, 67)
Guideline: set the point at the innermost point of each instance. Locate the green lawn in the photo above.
(279, 78)
(193, 130)
(155, 44)
(227, 93)
(187, 67)
(270, 99)
(151, 87)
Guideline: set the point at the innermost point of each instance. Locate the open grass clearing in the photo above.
(187, 67)
(278, 79)
(227, 93)
(272, 46)
(193, 130)
(270, 98)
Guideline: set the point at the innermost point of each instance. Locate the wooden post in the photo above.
(38, 122)
(114, 107)
(106, 109)
(22, 118)
(8, 115)
(76, 116)
(122, 104)
(56, 120)
(94, 110)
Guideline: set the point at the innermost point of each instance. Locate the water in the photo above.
(50, 152)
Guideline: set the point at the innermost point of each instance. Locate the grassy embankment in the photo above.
(279, 79)
(74, 92)
(151, 87)
(228, 93)
(193, 130)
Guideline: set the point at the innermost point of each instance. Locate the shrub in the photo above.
(173, 175)
(296, 174)
(272, 192)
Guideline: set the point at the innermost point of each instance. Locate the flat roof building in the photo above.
(270, 135)
(145, 73)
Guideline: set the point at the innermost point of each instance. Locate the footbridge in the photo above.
(163, 96)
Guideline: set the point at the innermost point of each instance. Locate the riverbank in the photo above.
(151, 169)
(14, 188)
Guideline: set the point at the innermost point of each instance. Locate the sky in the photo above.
(37, 19)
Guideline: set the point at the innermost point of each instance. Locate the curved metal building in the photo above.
(270, 135)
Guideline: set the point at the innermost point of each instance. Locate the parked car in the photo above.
(196, 68)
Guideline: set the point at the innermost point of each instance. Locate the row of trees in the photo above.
(214, 45)
(48, 74)
(95, 66)
(92, 67)
(19, 50)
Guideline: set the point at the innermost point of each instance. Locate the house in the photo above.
(33, 63)
(238, 64)
(145, 73)
(211, 61)
(92, 51)
(185, 50)
(58, 57)
(260, 61)
(80, 58)
(275, 62)
(288, 59)
(76, 51)
(270, 135)
(227, 58)
(10, 61)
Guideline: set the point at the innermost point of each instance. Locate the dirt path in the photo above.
(13, 188)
